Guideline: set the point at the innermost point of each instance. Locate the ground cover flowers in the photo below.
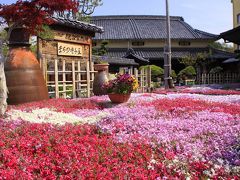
(185, 136)
(33, 151)
(198, 90)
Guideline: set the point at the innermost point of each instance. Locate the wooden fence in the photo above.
(74, 78)
(143, 76)
(222, 78)
(68, 78)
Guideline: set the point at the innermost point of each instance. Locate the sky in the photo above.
(213, 16)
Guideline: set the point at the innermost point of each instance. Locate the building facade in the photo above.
(236, 13)
(236, 16)
(146, 36)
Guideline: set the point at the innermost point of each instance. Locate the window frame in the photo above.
(138, 43)
(238, 19)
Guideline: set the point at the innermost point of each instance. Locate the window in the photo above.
(184, 43)
(238, 19)
(138, 43)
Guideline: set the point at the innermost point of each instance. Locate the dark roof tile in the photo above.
(232, 35)
(146, 27)
(156, 53)
(116, 60)
(77, 24)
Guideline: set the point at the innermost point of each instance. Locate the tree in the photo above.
(33, 14)
(30, 15)
(193, 60)
(222, 46)
(103, 49)
(158, 72)
(85, 9)
(188, 72)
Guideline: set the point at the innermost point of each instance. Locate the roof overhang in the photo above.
(231, 60)
(77, 24)
(232, 35)
(115, 60)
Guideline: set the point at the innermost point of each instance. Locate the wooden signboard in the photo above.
(67, 49)
(66, 63)
(59, 48)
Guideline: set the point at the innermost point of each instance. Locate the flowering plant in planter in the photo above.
(122, 84)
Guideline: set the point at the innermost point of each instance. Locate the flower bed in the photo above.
(153, 135)
(198, 90)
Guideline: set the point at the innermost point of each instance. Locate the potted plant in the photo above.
(119, 89)
(25, 18)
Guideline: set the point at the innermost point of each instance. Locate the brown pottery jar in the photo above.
(24, 77)
(100, 78)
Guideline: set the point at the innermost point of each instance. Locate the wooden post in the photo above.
(64, 77)
(93, 74)
(141, 79)
(42, 65)
(3, 85)
(136, 74)
(56, 78)
(39, 54)
(73, 79)
(204, 78)
(149, 79)
(88, 80)
(79, 78)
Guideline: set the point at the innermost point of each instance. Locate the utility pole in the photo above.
(167, 53)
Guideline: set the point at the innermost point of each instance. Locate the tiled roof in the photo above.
(146, 27)
(232, 35)
(77, 24)
(138, 59)
(231, 60)
(157, 53)
(117, 60)
(219, 54)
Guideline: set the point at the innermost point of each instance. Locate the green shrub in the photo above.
(216, 69)
(173, 74)
(188, 72)
(156, 71)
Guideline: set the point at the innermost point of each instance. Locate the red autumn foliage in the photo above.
(33, 14)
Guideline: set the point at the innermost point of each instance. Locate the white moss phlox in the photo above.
(47, 116)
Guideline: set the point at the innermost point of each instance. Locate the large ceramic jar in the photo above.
(24, 77)
(100, 78)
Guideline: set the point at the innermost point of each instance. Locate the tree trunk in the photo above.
(3, 85)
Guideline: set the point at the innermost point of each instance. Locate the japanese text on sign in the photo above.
(65, 49)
